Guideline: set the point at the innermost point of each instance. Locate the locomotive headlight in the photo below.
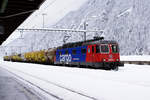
(117, 59)
(104, 59)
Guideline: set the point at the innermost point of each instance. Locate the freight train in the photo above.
(95, 53)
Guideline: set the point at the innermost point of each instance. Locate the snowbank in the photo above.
(135, 58)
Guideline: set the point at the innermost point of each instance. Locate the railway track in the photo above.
(82, 96)
(137, 62)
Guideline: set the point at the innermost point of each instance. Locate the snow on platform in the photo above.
(12, 89)
(131, 82)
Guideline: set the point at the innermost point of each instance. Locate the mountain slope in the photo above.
(123, 20)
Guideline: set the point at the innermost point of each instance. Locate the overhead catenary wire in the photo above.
(51, 29)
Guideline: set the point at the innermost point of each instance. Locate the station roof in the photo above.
(13, 13)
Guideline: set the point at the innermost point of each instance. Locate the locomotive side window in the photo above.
(97, 49)
(104, 49)
(92, 49)
(74, 52)
(66, 52)
(88, 50)
(59, 52)
(114, 48)
(83, 50)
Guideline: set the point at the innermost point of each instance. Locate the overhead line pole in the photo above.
(44, 19)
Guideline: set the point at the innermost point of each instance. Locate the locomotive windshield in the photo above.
(104, 49)
(115, 49)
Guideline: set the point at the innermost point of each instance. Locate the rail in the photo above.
(137, 62)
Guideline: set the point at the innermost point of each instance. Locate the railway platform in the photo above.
(11, 89)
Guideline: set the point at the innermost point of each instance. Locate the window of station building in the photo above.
(97, 49)
(114, 48)
(74, 52)
(104, 49)
(83, 50)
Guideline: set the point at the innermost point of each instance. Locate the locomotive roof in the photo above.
(101, 42)
(88, 42)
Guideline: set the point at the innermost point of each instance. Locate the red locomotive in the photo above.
(96, 53)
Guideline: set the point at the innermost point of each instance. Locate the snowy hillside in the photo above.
(123, 20)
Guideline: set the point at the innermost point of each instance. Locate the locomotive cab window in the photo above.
(104, 48)
(114, 48)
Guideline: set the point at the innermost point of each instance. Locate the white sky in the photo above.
(54, 10)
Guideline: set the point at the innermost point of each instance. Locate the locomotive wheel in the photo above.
(115, 68)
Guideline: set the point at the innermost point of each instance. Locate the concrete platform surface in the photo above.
(10, 89)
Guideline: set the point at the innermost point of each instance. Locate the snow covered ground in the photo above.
(13, 89)
(130, 82)
(135, 58)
